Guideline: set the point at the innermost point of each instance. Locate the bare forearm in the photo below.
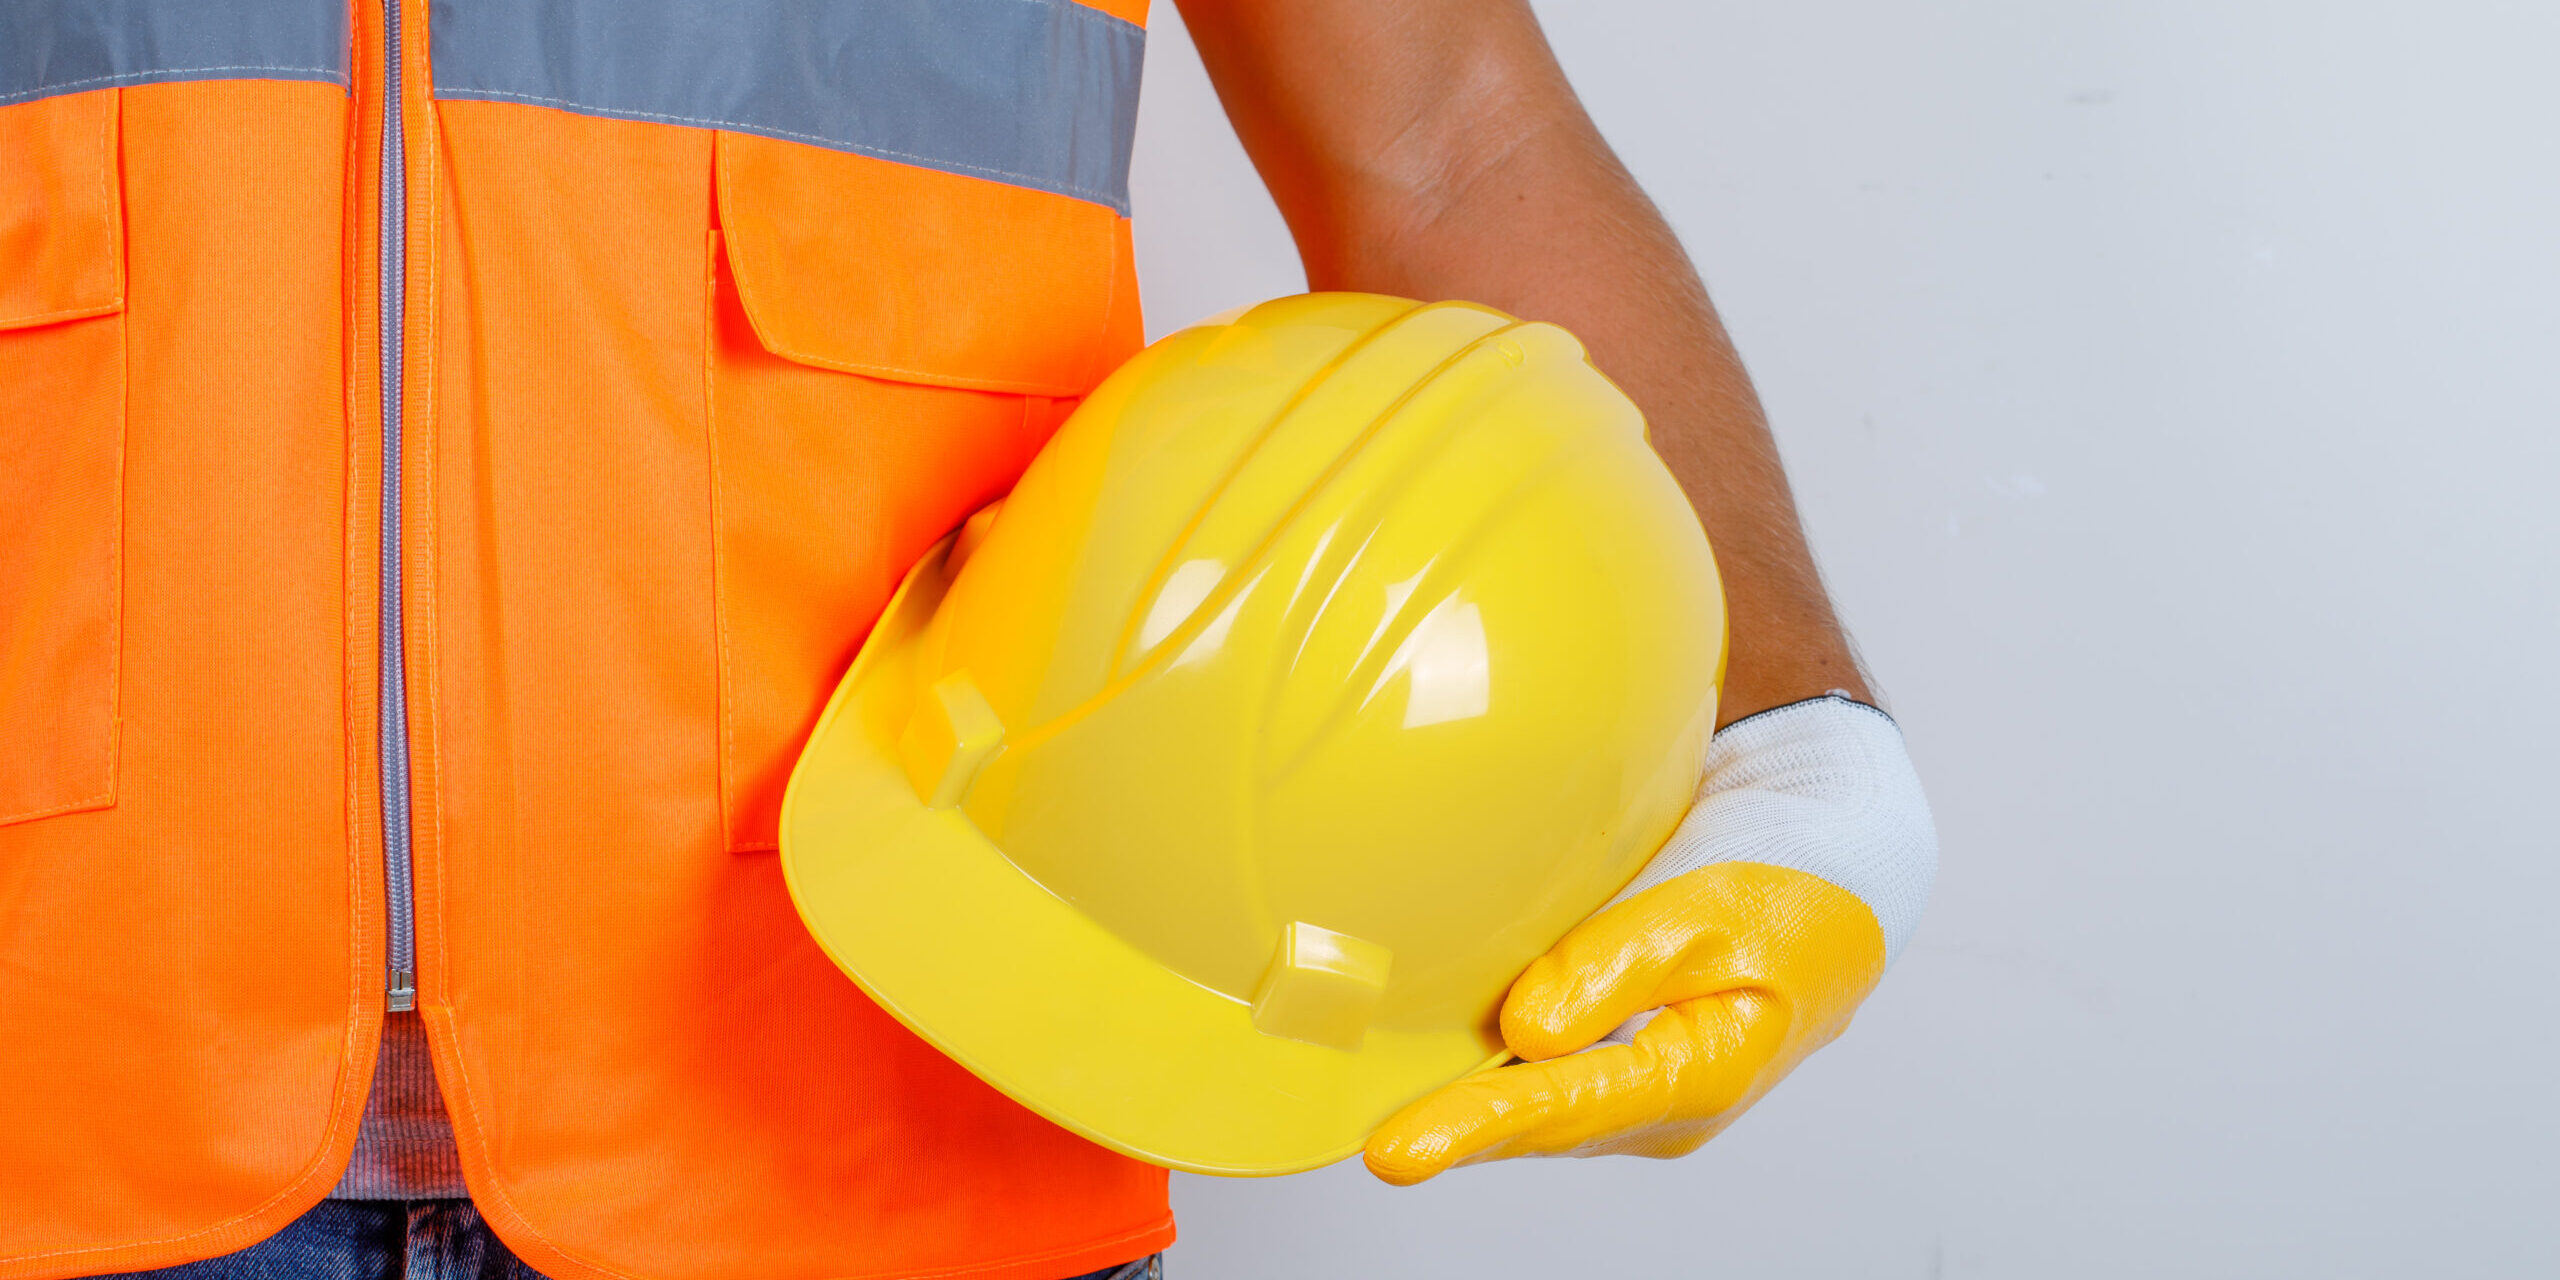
(1444, 156)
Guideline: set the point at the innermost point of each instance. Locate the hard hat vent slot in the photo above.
(1322, 987)
(951, 735)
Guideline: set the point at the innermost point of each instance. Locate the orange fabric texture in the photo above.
(660, 475)
(61, 453)
(997, 286)
(188, 978)
(60, 218)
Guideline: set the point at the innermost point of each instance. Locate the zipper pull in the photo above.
(403, 993)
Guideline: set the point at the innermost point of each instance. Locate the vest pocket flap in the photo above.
(61, 454)
(61, 217)
(902, 272)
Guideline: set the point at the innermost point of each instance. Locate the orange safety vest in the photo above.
(447, 452)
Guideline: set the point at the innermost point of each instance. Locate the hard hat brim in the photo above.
(1031, 994)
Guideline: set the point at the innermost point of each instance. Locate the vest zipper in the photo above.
(401, 986)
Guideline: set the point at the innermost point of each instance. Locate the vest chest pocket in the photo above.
(890, 345)
(62, 375)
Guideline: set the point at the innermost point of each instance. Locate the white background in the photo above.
(2171, 391)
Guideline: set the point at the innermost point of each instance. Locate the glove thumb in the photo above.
(1653, 949)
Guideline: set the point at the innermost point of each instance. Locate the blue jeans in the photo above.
(414, 1240)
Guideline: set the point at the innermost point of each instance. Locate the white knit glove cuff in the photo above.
(1822, 786)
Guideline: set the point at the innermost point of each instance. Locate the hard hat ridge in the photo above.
(1422, 484)
(1350, 426)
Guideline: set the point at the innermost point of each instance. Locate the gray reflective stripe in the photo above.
(71, 46)
(1038, 93)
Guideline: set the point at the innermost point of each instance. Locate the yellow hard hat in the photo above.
(1207, 795)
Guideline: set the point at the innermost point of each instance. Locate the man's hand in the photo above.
(1432, 149)
(1756, 931)
(1752, 966)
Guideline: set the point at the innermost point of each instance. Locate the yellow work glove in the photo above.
(1753, 965)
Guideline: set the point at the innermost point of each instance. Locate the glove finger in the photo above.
(1633, 957)
(1687, 1075)
(1715, 1056)
(1509, 1111)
